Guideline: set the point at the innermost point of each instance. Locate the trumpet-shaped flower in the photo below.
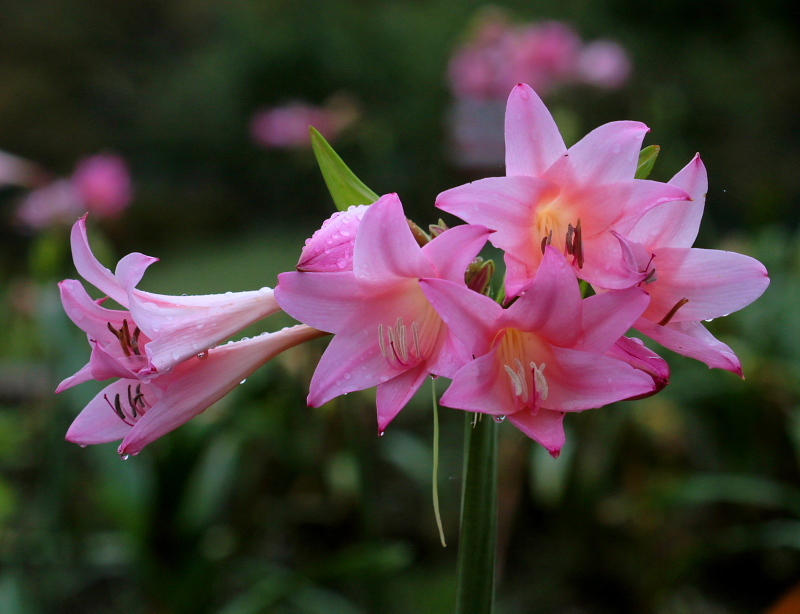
(140, 412)
(545, 354)
(386, 332)
(570, 199)
(687, 285)
(154, 332)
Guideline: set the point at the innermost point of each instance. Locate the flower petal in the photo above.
(394, 394)
(452, 251)
(545, 426)
(533, 141)
(715, 283)
(90, 268)
(581, 380)
(130, 269)
(330, 249)
(692, 339)
(83, 375)
(482, 386)
(98, 423)
(636, 354)
(385, 248)
(87, 314)
(196, 384)
(608, 316)
(301, 295)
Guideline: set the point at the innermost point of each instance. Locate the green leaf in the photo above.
(647, 159)
(346, 189)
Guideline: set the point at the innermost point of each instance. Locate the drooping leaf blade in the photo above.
(346, 189)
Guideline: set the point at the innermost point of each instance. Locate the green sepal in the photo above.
(346, 189)
(647, 159)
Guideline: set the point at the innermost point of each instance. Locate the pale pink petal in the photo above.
(470, 316)
(453, 355)
(301, 295)
(350, 363)
(608, 316)
(130, 269)
(675, 224)
(545, 426)
(83, 375)
(394, 394)
(608, 153)
(90, 268)
(581, 380)
(385, 248)
(105, 365)
(181, 327)
(196, 384)
(638, 355)
(693, 340)
(87, 314)
(98, 423)
(715, 283)
(452, 251)
(533, 141)
(503, 204)
(643, 195)
(330, 249)
(482, 385)
(551, 304)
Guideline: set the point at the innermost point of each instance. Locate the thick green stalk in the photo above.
(478, 541)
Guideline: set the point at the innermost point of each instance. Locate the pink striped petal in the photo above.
(608, 316)
(481, 386)
(84, 374)
(300, 295)
(98, 423)
(87, 314)
(130, 269)
(545, 426)
(636, 354)
(452, 251)
(533, 141)
(395, 393)
(90, 268)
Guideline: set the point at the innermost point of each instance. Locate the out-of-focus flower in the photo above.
(688, 285)
(100, 185)
(17, 171)
(287, 126)
(140, 412)
(104, 184)
(543, 355)
(387, 334)
(155, 332)
(570, 199)
(604, 63)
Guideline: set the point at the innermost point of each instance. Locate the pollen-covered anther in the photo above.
(127, 341)
(573, 243)
(671, 313)
(137, 405)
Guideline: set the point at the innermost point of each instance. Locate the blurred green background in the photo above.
(687, 502)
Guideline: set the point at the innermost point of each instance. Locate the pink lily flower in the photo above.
(154, 332)
(545, 354)
(570, 199)
(140, 412)
(686, 284)
(331, 247)
(386, 332)
(104, 184)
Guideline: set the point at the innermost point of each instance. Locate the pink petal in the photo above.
(385, 248)
(608, 153)
(453, 355)
(452, 251)
(98, 423)
(482, 386)
(130, 269)
(83, 375)
(87, 314)
(533, 141)
(582, 380)
(545, 426)
(105, 365)
(715, 282)
(90, 268)
(302, 296)
(330, 249)
(608, 316)
(551, 304)
(182, 326)
(636, 354)
(675, 224)
(503, 204)
(471, 316)
(196, 384)
(395, 393)
(693, 340)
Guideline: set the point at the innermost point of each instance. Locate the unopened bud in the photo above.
(479, 275)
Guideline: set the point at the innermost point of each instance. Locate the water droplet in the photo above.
(341, 263)
(203, 355)
(243, 381)
(346, 376)
(381, 433)
(83, 445)
(498, 419)
(709, 320)
(124, 456)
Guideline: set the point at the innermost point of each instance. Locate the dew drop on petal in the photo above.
(381, 433)
(498, 419)
(124, 456)
(243, 381)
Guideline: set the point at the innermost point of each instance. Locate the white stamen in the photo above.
(381, 342)
(539, 380)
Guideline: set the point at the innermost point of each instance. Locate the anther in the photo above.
(671, 313)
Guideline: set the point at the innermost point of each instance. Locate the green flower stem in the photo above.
(478, 541)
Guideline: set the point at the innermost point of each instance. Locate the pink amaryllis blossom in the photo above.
(387, 334)
(140, 412)
(570, 199)
(545, 354)
(688, 285)
(331, 247)
(154, 332)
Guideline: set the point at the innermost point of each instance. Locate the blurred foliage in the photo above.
(687, 502)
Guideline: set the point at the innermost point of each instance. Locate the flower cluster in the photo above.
(403, 304)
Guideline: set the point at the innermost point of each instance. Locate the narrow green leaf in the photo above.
(346, 189)
(647, 159)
